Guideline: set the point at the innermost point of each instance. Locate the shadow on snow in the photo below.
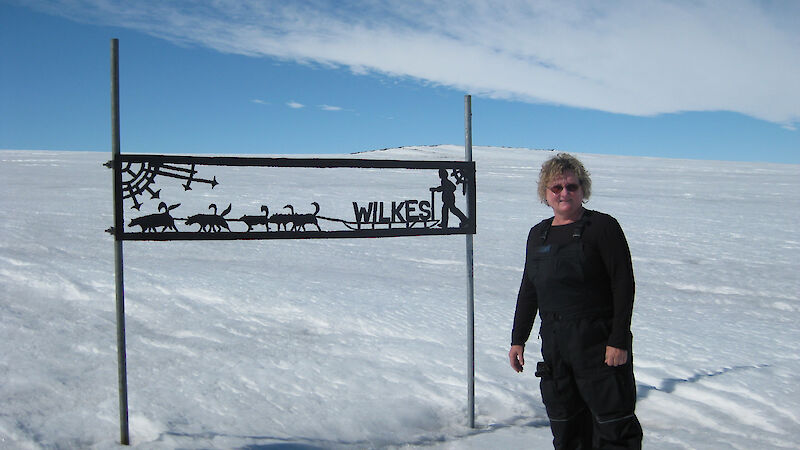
(668, 385)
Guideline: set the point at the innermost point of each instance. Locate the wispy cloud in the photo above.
(259, 101)
(294, 105)
(330, 108)
(639, 57)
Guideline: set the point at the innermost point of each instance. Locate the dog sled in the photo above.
(388, 225)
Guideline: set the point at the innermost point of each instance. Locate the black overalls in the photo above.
(590, 405)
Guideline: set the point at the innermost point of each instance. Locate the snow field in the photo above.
(362, 343)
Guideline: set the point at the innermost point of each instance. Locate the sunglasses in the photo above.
(557, 188)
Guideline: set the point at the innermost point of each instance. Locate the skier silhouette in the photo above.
(447, 188)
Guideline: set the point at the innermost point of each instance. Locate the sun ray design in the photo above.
(139, 178)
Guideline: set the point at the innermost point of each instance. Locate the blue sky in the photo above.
(679, 79)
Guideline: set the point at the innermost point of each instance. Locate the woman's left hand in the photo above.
(616, 356)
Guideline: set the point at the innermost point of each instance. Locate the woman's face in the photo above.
(565, 195)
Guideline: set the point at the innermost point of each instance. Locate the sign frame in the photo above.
(465, 170)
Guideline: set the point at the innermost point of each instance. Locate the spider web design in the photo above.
(139, 178)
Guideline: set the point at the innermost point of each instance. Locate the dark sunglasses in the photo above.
(556, 189)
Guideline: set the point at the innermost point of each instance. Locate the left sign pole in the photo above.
(118, 224)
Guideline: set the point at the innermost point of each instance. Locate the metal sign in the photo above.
(167, 197)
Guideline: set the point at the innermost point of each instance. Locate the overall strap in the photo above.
(548, 223)
(577, 234)
(579, 229)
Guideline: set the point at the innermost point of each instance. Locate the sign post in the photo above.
(470, 274)
(118, 222)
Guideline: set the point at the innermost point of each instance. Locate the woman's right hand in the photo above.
(516, 357)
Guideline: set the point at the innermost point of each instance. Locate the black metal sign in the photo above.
(172, 197)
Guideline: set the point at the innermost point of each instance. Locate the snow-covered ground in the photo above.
(341, 343)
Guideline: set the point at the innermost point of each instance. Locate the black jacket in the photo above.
(606, 277)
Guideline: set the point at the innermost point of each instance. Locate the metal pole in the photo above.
(118, 224)
(470, 273)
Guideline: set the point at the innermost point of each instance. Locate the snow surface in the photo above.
(361, 343)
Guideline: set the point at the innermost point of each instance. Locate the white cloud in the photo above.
(640, 57)
(259, 101)
(330, 108)
(294, 105)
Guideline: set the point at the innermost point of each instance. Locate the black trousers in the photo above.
(590, 405)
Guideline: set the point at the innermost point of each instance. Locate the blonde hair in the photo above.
(557, 166)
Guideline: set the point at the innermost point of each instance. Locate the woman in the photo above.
(579, 277)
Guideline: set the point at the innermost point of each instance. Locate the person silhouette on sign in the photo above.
(448, 189)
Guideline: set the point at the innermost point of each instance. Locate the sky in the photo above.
(714, 80)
